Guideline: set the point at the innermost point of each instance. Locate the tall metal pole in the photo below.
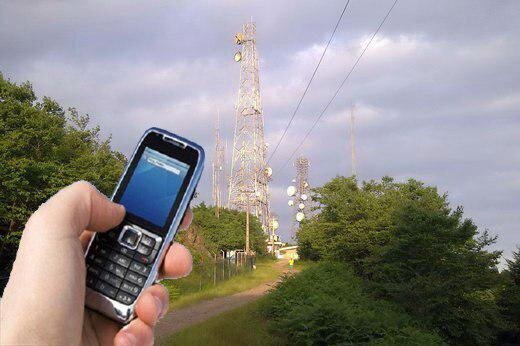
(218, 168)
(247, 227)
(352, 140)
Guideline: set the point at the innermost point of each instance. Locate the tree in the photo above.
(411, 247)
(510, 300)
(42, 149)
(226, 232)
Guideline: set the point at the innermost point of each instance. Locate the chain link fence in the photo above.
(208, 274)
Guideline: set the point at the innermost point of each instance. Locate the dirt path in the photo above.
(179, 319)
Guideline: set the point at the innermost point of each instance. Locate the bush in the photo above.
(326, 305)
(406, 241)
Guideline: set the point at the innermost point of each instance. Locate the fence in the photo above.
(209, 274)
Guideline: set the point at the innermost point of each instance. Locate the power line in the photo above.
(309, 83)
(339, 88)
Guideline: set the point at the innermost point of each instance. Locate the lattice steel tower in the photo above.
(218, 169)
(248, 181)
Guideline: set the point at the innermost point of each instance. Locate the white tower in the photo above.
(248, 181)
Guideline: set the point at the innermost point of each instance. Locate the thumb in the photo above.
(75, 208)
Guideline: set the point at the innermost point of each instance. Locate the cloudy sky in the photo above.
(437, 94)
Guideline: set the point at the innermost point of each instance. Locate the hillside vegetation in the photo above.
(327, 305)
(44, 147)
(412, 249)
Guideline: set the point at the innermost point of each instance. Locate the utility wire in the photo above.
(339, 88)
(309, 83)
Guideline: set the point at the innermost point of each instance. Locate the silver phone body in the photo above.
(117, 310)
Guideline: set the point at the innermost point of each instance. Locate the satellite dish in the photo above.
(290, 203)
(294, 180)
(238, 56)
(291, 191)
(268, 171)
(301, 206)
(303, 197)
(275, 225)
(300, 216)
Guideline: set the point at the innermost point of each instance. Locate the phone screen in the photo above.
(154, 186)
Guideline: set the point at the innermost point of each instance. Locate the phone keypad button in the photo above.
(125, 298)
(91, 281)
(115, 269)
(103, 251)
(140, 268)
(123, 250)
(107, 289)
(108, 237)
(111, 279)
(96, 260)
(146, 259)
(93, 271)
(147, 241)
(130, 237)
(135, 278)
(144, 250)
(119, 259)
(130, 288)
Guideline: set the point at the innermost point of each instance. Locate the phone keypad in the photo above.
(117, 271)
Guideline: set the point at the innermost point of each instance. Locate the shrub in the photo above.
(326, 305)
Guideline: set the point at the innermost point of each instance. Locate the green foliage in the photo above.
(510, 300)
(406, 241)
(42, 149)
(327, 305)
(227, 231)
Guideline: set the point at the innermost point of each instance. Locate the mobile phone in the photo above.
(156, 187)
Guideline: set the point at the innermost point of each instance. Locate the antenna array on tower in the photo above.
(248, 181)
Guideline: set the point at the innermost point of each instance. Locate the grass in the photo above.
(242, 326)
(266, 270)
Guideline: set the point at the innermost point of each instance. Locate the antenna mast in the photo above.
(352, 121)
(248, 181)
(218, 168)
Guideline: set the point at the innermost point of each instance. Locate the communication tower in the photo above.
(299, 191)
(218, 169)
(248, 181)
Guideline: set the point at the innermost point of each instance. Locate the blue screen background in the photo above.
(154, 186)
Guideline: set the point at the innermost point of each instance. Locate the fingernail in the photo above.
(128, 339)
(160, 307)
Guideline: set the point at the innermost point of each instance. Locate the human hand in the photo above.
(43, 302)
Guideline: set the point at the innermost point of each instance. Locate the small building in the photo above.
(287, 252)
